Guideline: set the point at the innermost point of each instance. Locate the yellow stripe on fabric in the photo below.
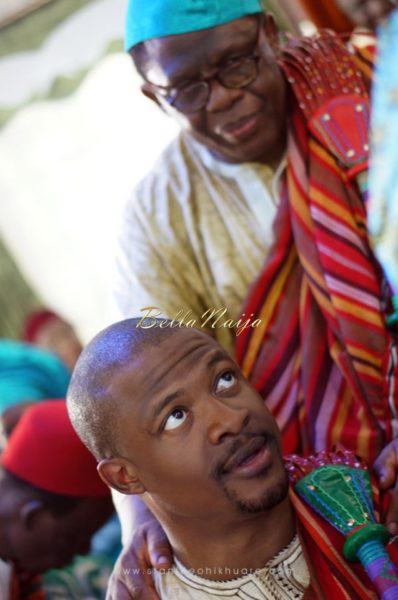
(325, 157)
(358, 311)
(300, 204)
(267, 312)
(322, 299)
(363, 434)
(344, 404)
(367, 370)
(363, 66)
(332, 207)
(364, 354)
(313, 273)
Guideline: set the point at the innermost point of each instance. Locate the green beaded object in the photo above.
(341, 494)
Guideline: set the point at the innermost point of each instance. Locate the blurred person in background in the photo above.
(27, 375)
(52, 501)
(366, 13)
(46, 329)
(30, 375)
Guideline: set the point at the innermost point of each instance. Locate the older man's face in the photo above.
(200, 436)
(237, 125)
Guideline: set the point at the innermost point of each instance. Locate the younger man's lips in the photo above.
(251, 459)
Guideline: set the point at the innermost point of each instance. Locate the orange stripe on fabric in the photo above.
(299, 203)
(339, 417)
(325, 157)
(366, 370)
(333, 208)
(364, 354)
(364, 433)
(313, 273)
(267, 312)
(358, 311)
(363, 66)
(322, 299)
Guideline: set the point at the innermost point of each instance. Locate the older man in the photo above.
(199, 227)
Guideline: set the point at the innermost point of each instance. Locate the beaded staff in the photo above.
(342, 495)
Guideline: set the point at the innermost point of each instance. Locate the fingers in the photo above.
(386, 466)
(159, 551)
(391, 519)
(132, 582)
(366, 12)
(128, 579)
(132, 573)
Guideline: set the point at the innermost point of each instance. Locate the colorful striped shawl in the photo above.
(322, 359)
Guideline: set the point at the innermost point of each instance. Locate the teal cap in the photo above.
(147, 19)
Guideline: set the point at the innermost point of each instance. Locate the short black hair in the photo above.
(91, 405)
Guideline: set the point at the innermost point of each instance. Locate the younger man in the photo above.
(169, 416)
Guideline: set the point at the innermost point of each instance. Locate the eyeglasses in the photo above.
(194, 96)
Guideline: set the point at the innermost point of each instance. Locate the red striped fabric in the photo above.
(323, 359)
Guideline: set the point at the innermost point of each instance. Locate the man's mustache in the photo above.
(219, 470)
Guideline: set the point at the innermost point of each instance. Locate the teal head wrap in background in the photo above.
(28, 373)
(147, 19)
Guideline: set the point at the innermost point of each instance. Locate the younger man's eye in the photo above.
(175, 419)
(226, 381)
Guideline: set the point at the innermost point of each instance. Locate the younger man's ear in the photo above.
(121, 475)
(29, 510)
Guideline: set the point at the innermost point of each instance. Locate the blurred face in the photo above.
(11, 416)
(44, 541)
(237, 125)
(199, 435)
(59, 337)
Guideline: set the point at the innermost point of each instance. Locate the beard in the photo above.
(271, 497)
(264, 503)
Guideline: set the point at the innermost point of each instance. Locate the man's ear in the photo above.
(271, 30)
(121, 475)
(147, 90)
(29, 510)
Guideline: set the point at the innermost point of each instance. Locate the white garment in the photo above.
(194, 236)
(5, 580)
(285, 577)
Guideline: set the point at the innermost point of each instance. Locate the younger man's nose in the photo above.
(224, 420)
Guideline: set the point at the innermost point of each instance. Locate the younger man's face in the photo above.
(200, 437)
